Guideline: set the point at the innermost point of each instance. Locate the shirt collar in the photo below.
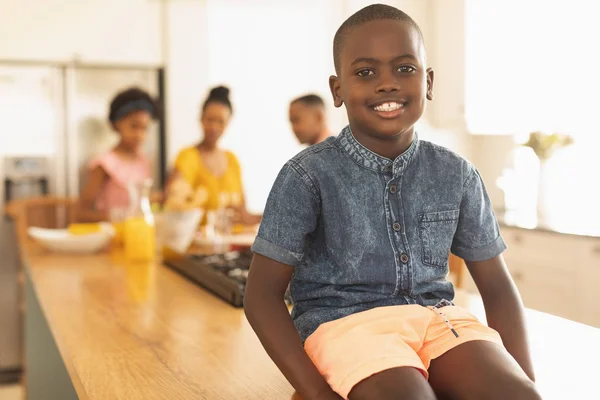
(371, 160)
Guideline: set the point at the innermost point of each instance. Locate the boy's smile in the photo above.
(384, 83)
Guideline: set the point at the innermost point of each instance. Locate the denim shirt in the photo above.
(364, 231)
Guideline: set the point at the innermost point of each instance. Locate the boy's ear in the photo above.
(430, 76)
(336, 91)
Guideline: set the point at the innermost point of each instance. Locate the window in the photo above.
(532, 65)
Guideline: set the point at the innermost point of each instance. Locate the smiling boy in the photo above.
(363, 224)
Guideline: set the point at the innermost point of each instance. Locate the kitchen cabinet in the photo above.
(555, 273)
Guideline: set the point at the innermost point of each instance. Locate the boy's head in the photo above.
(307, 116)
(382, 76)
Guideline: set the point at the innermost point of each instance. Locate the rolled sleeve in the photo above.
(290, 217)
(477, 236)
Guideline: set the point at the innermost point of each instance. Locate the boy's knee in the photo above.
(390, 395)
(525, 390)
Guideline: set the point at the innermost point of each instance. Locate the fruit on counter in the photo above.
(182, 197)
(84, 228)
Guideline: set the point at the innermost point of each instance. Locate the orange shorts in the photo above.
(349, 350)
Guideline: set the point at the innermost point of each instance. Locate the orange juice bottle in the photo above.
(139, 237)
(117, 217)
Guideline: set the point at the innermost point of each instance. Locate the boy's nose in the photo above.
(388, 85)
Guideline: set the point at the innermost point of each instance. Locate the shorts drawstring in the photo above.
(436, 309)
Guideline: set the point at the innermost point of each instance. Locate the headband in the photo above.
(132, 106)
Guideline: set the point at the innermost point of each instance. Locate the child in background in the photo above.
(106, 187)
(307, 116)
(363, 224)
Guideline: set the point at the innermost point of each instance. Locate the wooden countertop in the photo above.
(144, 332)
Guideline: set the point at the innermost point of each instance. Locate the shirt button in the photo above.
(392, 189)
(404, 258)
(396, 226)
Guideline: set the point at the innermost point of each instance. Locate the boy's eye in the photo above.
(406, 69)
(365, 72)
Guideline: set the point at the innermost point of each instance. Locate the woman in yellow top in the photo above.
(206, 165)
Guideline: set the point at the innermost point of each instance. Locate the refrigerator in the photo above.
(58, 114)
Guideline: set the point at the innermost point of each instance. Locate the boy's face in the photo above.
(306, 122)
(383, 80)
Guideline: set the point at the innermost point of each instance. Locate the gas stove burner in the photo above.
(223, 274)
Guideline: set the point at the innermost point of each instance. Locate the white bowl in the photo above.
(177, 229)
(61, 240)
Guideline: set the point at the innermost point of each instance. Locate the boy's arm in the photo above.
(269, 316)
(503, 308)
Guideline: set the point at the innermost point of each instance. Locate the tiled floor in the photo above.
(10, 392)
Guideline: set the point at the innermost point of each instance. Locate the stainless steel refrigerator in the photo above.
(58, 113)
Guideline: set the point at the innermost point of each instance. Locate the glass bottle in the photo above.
(139, 230)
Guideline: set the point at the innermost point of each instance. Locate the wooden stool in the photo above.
(44, 212)
(457, 267)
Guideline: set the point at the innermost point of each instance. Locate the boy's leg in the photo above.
(404, 383)
(480, 370)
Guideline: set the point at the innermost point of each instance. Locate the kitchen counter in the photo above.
(565, 226)
(100, 328)
(132, 332)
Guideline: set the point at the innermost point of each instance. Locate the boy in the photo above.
(363, 224)
(307, 116)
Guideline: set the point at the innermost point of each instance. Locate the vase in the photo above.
(543, 199)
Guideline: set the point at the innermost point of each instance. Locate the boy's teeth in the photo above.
(392, 106)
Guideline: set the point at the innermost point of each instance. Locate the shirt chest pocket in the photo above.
(437, 232)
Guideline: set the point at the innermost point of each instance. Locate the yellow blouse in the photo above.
(189, 164)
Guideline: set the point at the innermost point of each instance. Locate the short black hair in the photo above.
(374, 12)
(219, 94)
(129, 100)
(311, 100)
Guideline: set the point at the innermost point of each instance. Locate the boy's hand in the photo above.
(327, 395)
(503, 308)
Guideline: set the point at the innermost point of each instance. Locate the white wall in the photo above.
(186, 54)
(447, 54)
(274, 61)
(100, 31)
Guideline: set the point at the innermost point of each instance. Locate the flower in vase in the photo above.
(544, 145)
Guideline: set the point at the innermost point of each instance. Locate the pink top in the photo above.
(120, 172)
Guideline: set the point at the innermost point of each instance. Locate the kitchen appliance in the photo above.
(22, 178)
(61, 112)
(53, 121)
(25, 177)
(223, 274)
